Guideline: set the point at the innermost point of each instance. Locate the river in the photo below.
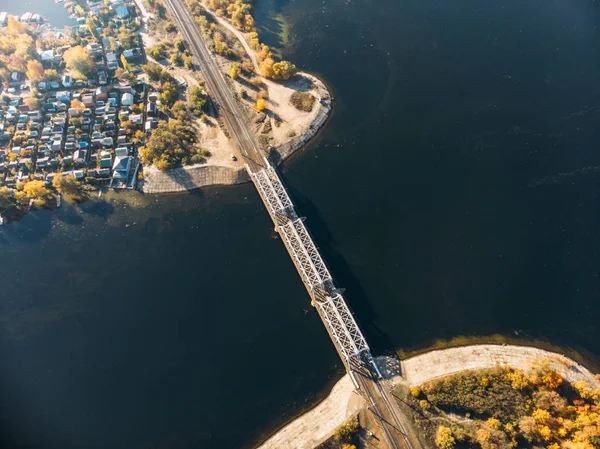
(54, 13)
(453, 193)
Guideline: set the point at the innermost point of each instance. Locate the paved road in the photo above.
(222, 96)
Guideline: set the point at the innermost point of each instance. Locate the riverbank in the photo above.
(318, 424)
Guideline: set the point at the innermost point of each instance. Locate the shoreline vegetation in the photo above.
(416, 380)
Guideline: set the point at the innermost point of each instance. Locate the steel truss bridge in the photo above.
(326, 297)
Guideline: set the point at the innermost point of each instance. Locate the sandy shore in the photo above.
(315, 426)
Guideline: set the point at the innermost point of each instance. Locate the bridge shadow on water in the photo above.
(344, 278)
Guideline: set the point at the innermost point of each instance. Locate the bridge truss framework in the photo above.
(326, 297)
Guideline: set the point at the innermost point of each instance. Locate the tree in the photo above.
(67, 185)
(124, 62)
(78, 105)
(283, 70)
(347, 432)
(253, 41)
(266, 68)
(6, 197)
(50, 74)
(444, 438)
(36, 189)
(179, 44)
(35, 70)
(168, 96)
(32, 102)
(264, 53)
(14, 26)
(198, 101)
(78, 59)
(127, 39)
(153, 71)
(234, 70)
(260, 105)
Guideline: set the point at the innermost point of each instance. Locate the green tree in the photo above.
(198, 101)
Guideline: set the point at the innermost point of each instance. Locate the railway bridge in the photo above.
(326, 297)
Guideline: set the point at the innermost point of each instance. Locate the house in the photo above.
(80, 156)
(135, 119)
(150, 125)
(127, 99)
(133, 55)
(122, 12)
(67, 80)
(47, 56)
(88, 100)
(102, 78)
(64, 96)
(94, 46)
(121, 167)
(102, 93)
(151, 109)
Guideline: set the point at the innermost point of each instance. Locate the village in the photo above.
(70, 116)
(117, 101)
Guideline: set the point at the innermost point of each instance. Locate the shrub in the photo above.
(346, 433)
(444, 438)
(303, 101)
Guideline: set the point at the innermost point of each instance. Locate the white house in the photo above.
(127, 99)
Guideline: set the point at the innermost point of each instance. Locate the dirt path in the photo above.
(237, 33)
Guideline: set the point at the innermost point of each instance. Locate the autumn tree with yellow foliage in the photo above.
(35, 70)
(79, 61)
(508, 408)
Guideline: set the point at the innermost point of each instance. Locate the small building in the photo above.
(127, 99)
(64, 96)
(88, 100)
(47, 56)
(80, 156)
(122, 12)
(102, 93)
(151, 109)
(67, 80)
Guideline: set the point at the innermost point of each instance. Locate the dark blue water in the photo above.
(454, 192)
(54, 13)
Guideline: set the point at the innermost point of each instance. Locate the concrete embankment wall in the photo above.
(190, 178)
(436, 364)
(315, 426)
(324, 104)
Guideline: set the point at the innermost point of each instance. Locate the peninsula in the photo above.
(480, 396)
